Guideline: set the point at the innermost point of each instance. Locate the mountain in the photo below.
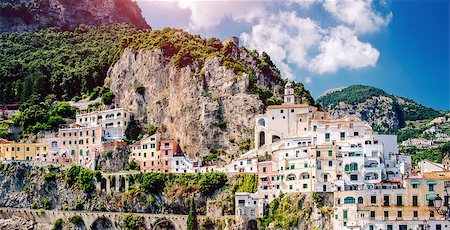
(384, 111)
(204, 93)
(31, 15)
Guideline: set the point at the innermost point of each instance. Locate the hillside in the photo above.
(203, 93)
(31, 15)
(371, 104)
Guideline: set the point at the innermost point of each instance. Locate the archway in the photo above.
(163, 224)
(102, 223)
(252, 225)
(209, 225)
(121, 184)
(262, 138)
(275, 138)
(103, 184)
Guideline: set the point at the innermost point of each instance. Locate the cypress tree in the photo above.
(192, 223)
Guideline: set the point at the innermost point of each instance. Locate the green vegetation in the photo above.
(431, 154)
(83, 177)
(133, 166)
(245, 145)
(63, 63)
(222, 124)
(153, 182)
(133, 131)
(213, 156)
(108, 97)
(76, 220)
(249, 183)
(79, 204)
(286, 211)
(133, 222)
(46, 204)
(152, 129)
(50, 176)
(192, 223)
(406, 109)
(211, 181)
(58, 224)
(35, 116)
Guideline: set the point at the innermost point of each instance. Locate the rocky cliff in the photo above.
(31, 15)
(206, 106)
(384, 111)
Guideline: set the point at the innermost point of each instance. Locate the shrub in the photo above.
(85, 179)
(50, 177)
(222, 124)
(132, 223)
(108, 97)
(134, 166)
(46, 204)
(140, 89)
(152, 129)
(34, 205)
(72, 174)
(58, 224)
(41, 211)
(75, 219)
(210, 182)
(153, 182)
(245, 145)
(79, 204)
(2, 166)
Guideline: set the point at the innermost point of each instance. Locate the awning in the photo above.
(431, 182)
(431, 196)
(415, 182)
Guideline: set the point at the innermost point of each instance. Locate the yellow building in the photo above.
(22, 151)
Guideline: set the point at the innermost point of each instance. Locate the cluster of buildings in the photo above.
(373, 185)
(298, 149)
(95, 132)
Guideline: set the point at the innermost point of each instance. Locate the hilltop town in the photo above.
(298, 149)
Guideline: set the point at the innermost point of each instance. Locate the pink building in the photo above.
(268, 175)
(169, 149)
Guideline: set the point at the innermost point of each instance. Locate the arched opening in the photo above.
(262, 138)
(275, 138)
(304, 176)
(103, 183)
(325, 177)
(252, 225)
(102, 223)
(261, 122)
(291, 177)
(27, 158)
(209, 225)
(371, 176)
(164, 224)
(112, 183)
(349, 200)
(121, 184)
(77, 223)
(360, 200)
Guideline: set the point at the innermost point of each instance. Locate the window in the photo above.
(353, 177)
(152, 146)
(415, 214)
(28, 149)
(18, 149)
(399, 201)
(264, 169)
(390, 227)
(399, 214)
(386, 201)
(386, 214)
(330, 153)
(330, 163)
(327, 137)
(290, 187)
(318, 154)
(292, 166)
(372, 214)
(373, 199)
(349, 200)
(370, 227)
(319, 165)
(342, 136)
(144, 147)
(431, 187)
(345, 214)
(145, 154)
(305, 165)
(415, 185)
(281, 111)
(431, 214)
(356, 134)
(360, 200)
(415, 201)
(81, 134)
(305, 186)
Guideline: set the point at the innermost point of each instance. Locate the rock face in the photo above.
(213, 109)
(385, 112)
(30, 15)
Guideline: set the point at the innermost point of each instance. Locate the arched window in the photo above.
(54, 144)
(262, 122)
(304, 176)
(349, 200)
(262, 138)
(291, 177)
(360, 200)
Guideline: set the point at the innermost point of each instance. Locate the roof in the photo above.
(283, 106)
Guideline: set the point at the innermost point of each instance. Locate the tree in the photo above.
(192, 223)
(108, 97)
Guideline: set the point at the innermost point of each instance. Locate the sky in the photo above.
(399, 46)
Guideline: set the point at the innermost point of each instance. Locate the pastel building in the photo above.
(146, 153)
(22, 151)
(249, 204)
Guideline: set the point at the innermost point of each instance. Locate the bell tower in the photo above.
(289, 96)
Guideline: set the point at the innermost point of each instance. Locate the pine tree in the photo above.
(192, 223)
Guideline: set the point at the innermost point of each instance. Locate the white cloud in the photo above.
(342, 49)
(308, 80)
(286, 37)
(207, 14)
(358, 14)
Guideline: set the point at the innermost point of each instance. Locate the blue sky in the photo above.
(399, 46)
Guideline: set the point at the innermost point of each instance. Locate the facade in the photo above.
(22, 151)
(249, 204)
(146, 153)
